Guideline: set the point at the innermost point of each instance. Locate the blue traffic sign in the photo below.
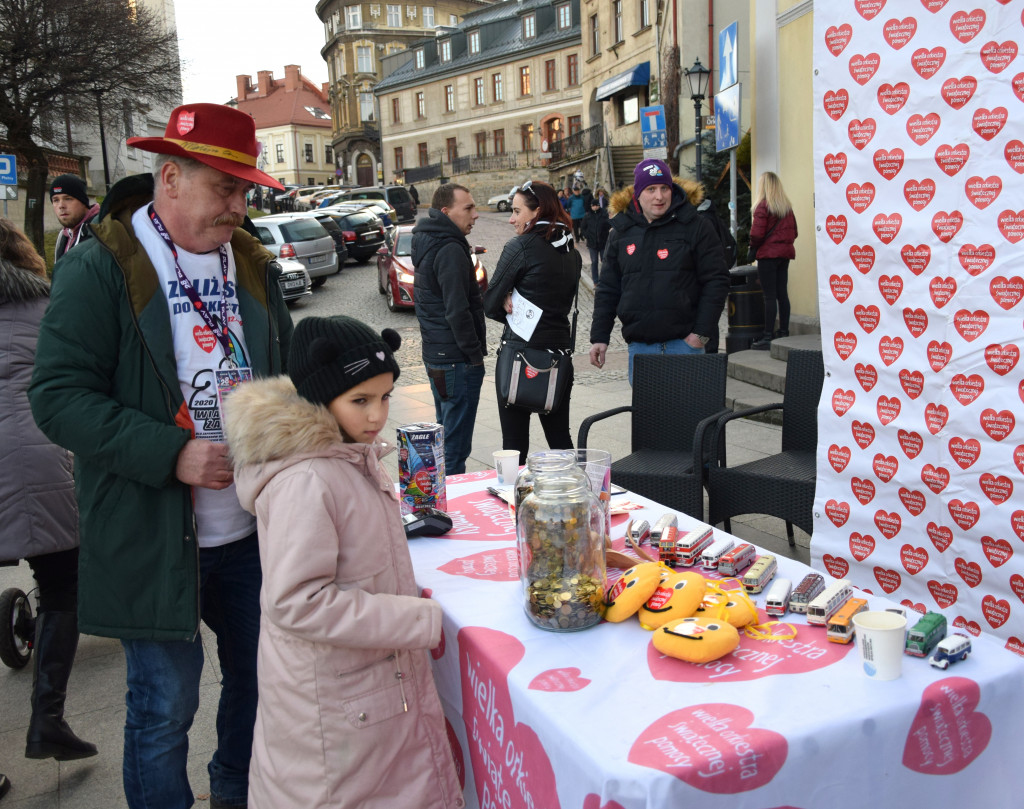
(8, 169)
(652, 119)
(728, 74)
(654, 140)
(727, 118)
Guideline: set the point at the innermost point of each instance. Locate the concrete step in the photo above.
(741, 395)
(781, 347)
(767, 369)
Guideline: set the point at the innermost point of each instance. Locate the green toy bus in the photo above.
(925, 634)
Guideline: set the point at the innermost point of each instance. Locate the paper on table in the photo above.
(524, 316)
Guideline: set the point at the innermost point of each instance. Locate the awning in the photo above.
(635, 76)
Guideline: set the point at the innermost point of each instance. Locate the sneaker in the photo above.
(762, 343)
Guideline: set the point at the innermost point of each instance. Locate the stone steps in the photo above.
(759, 377)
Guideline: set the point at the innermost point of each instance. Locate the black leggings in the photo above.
(774, 275)
(515, 425)
(57, 577)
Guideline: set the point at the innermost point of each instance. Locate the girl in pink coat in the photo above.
(772, 233)
(348, 712)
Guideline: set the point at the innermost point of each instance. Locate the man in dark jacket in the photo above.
(70, 201)
(595, 230)
(451, 314)
(664, 274)
(150, 323)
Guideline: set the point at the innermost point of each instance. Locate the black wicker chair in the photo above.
(677, 399)
(780, 485)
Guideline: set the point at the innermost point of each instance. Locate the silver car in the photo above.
(294, 280)
(302, 238)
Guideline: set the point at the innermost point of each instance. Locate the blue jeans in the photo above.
(676, 346)
(163, 689)
(456, 390)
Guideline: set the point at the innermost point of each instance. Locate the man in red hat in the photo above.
(150, 325)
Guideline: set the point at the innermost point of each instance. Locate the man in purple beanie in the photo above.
(664, 272)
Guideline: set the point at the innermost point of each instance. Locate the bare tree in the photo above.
(57, 57)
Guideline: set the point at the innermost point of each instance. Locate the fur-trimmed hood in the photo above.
(18, 285)
(269, 427)
(620, 200)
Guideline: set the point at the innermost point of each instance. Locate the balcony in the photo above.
(584, 142)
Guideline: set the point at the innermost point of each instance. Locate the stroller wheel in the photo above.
(17, 628)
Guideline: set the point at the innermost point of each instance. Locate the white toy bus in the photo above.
(737, 560)
(760, 573)
(825, 605)
(712, 556)
(806, 591)
(692, 544)
(776, 601)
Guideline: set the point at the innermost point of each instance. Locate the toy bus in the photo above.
(737, 560)
(840, 625)
(776, 601)
(760, 573)
(925, 634)
(661, 526)
(712, 555)
(806, 591)
(950, 650)
(692, 544)
(639, 532)
(828, 601)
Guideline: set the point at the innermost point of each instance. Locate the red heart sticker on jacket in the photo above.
(922, 127)
(916, 258)
(838, 457)
(996, 56)
(1006, 292)
(952, 158)
(863, 257)
(838, 37)
(1002, 358)
(663, 253)
(966, 25)
(861, 546)
(204, 338)
(998, 425)
(940, 535)
(926, 62)
(913, 559)
(919, 193)
(835, 103)
(982, 191)
(899, 32)
(864, 66)
(835, 166)
(910, 442)
(630, 249)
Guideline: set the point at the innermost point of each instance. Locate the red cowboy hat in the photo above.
(221, 137)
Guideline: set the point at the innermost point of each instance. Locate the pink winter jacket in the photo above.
(771, 237)
(348, 712)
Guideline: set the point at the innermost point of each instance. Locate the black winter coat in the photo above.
(448, 301)
(595, 228)
(664, 279)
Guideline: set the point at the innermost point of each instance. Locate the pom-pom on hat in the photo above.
(72, 185)
(650, 172)
(330, 355)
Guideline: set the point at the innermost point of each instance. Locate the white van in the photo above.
(712, 556)
(950, 650)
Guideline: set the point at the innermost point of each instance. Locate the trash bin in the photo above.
(746, 308)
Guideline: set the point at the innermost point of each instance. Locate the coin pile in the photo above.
(565, 603)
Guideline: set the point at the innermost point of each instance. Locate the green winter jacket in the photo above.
(105, 386)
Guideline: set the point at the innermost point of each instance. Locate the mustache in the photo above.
(234, 220)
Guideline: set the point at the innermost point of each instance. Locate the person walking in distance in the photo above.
(772, 233)
(595, 230)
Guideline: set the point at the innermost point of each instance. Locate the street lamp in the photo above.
(698, 76)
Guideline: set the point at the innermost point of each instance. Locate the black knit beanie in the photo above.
(330, 355)
(72, 186)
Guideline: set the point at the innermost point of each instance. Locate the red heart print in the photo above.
(967, 25)
(919, 193)
(997, 56)
(970, 572)
(888, 408)
(989, 123)
(917, 322)
(945, 594)
(888, 163)
(926, 62)
(922, 127)
(863, 435)
(1014, 154)
(1006, 292)
(861, 546)
(1018, 457)
(942, 290)
(1016, 580)
(958, 91)
(995, 610)
(860, 196)
(934, 5)
(999, 552)
(845, 343)
(912, 382)
(835, 166)
(1017, 83)
(863, 490)
(835, 227)
(893, 97)
(970, 325)
(593, 801)
(916, 258)
(940, 536)
(861, 132)
(910, 442)
(952, 158)
(890, 348)
(885, 467)
(842, 400)
(838, 457)
(935, 478)
(836, 566)
(863, 257)
(565, 679)
(866, 375)
(841, 286)
(204, 338)
(947, 225)
(976, 258)
(899, 32)
(888, 580)
(913, 559)
(967, 388)
(998, 425)
(948, 732)
(935, 417)
(867, 317)
(997, 488)
(838, 512)
(966, 515)
(910, 605)
(913, 500)
(1015, 645)
(868, 9)
(1011, 225)
(662, 254)
(838, 37)
(888, 522)
(835, 103)
(886, 226)
(968, 626)
(891, 287)
(982, 191)
(864, 66)
(1017, 523)
(964, 451)
(1002, 358)
(1020, 390)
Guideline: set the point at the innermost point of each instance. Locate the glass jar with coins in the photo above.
(561, 542)
(542, 460)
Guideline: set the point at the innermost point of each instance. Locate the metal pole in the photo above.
(696, 109)
(103, 142)
(733, 224)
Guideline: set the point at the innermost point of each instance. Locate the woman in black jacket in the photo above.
(541, 263)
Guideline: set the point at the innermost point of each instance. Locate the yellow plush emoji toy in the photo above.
(733, 606)
(676, 597)
(696, 640)
(634, 587)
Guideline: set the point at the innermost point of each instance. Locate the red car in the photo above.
(395, 271)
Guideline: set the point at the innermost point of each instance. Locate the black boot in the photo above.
(5, 785)
(48, 734)
(762, 343)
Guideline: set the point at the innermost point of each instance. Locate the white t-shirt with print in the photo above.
(220, 518)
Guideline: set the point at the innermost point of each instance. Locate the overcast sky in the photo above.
(221, 39)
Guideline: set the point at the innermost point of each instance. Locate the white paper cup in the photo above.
(881, 638)
(506, 464)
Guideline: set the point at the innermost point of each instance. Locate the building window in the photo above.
(329, 155)
(629, 112)
(421, 106)
(549, 75)
(524, 80)
(595, 36)
(396, 118)
(424, 157)
(499, 94)
(280, 153)
(452, 147)
(308, 152)
(428, 16)
(364, 59)
(419, 59)
(575, 124)
(499, 141)
(449, 98)
(474, 42)
(394, 16)
(365, 106)
(529, 26)
(645, 14)
(453, 20)
(481, 144)
(478, 85)
(617, 21)
(399, 159)
(353, 18)
(311, 181)
(572, 69)
(564, 17)
(446, 51)
(526, 137)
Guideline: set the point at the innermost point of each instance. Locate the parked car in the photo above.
(294, 280)
(303, 196)
(397, 196)
(503, 202)
(285, 200)
(340, 246)
(303, 238)
(362, 228)
(396, 274)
